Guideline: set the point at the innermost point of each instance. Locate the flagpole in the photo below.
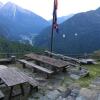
(54, 23)
(51, 48)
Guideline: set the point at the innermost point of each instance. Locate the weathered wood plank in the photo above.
(36, 66)
(5, 61)
(48, 60)
(33, 83)
(11, 77)
(62, 56)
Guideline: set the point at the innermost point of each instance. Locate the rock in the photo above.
(77, 73)
(81, 98)
(71, 94)
(74, 92)
(75, 86)
(60, 98)
(73, 76)
(66, 93)
(59, 77)
(87, 94)
(95, 84)
(67, 83)
(98, 97)
(70, 98)
(44, 98)
(95, 87)
(62, 89)
(53, 95)
(96, 81)
(50, 87)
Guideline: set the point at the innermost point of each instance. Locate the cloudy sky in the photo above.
(44, 7)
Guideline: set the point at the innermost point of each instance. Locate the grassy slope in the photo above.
(94, 71)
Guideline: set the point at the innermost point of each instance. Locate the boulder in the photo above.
(87, 94)
(73, 76)
(61, 89)
(53, 95)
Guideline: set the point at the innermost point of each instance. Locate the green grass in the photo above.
(94, 71)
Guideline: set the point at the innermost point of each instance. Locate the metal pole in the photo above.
(51, 48)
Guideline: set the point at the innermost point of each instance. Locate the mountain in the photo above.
(16, 48)
(62, 19)
(17, 23)
(78, 35)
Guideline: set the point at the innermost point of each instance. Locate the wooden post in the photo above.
(64, 69)
(11, 91)
(23, 65)
(33, 88)
(22, 89)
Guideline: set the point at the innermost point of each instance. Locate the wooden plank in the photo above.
(5, 61)
(33, 83)
(48, 60)
(62, 56)
(36, 66)
(12, 77)
(30, 79)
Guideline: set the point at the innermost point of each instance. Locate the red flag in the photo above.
(55, 25)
